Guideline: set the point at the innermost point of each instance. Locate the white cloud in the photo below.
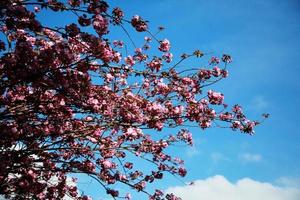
(249, 157)
(218, 187)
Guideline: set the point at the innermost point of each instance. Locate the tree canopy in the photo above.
(73, 101)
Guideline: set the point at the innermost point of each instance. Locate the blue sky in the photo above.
(263, 38)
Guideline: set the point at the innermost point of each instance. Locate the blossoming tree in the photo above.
(72, 101)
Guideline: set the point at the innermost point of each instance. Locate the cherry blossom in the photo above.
(215, 97)
(139, 24)
(164, 45)
(74, 101)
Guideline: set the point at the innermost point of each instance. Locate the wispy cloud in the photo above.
(195, 149)
(288, 181)
(217, 157)
(250, 157)
(259, 103)
(218, 187)
(192, 151)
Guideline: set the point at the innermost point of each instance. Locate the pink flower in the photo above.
(182, 171)
(86, 198)
(236, 125)
(140, 186)
(168, 57)
(62, 102)
(172, 197)
(118, 43)
(164, 45)
(93, 140)
(205, 124)
(107, 164)
(215, 98)
(249, 127)
(122, 177)
(129, 61)
(100, 25)
(147, 39)
(118, 15)
(139, 24)
(204, 74)
(178, 110)
(90, 166)
(107, 54)
(224, 73)
(74, 3)
(185, 136)
(138, 50)
(237, 109)
(226, 116)
(155, 64)
(113, 193)
(97, 132)
(216, 71)
(116, 57)
(214, 60)
(131, 132)
(32, 174)
(89, 118)
(128, 196)
(128, 165)
(109, 77)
